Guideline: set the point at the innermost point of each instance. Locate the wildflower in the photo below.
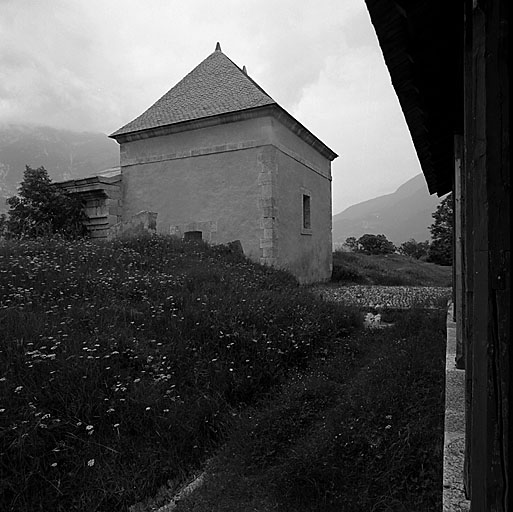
(53, 464)
(90, 463)
(18, 389)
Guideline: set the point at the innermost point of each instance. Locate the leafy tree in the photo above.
(41, 208)
(375, 244)
(414, 249)
(440, 250)
(351, 243)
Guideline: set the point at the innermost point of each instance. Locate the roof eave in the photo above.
(420, 41)
(272, 109)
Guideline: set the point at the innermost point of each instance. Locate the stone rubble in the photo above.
(384, 297)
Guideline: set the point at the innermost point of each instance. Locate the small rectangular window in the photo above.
(307, 224)
(193, 236)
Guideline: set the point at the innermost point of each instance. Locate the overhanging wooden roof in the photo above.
(422, 44)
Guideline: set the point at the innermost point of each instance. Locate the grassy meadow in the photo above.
(387, 270)
(124, 366)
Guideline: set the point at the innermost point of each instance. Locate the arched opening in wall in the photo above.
(189, 236)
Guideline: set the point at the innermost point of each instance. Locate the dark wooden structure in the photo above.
(450, 66)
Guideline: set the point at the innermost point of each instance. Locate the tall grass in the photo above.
(357, 431)
(121, 364)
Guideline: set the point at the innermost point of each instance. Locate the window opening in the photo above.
(306, 212)
(192, 235)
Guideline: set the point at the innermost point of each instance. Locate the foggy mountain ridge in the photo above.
(65, 154)
(401, 215)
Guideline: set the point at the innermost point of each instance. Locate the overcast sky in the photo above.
(94, 65)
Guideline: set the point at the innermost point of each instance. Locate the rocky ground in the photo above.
(397, 297)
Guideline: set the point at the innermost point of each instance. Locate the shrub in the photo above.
(351, 243)
(375, 244)
(414, 249)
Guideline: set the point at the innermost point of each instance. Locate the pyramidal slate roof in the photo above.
(216, 86)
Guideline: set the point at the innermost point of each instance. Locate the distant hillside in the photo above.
(399, 216)
(387, 270)
(65, 154)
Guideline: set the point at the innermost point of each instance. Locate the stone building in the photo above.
(217, 158)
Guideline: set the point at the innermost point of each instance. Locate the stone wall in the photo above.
(242, 181)
(141, 223)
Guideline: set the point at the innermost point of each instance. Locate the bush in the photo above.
(414, 249)
(375, 244)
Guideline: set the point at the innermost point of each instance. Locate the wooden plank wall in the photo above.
(487, 285)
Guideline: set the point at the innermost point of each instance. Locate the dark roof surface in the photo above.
(421, 41)
(216, 86)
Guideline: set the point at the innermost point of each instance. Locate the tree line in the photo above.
(438, 251)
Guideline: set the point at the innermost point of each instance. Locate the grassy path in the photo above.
(359, 432)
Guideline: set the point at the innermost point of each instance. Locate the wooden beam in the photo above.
(458, 251)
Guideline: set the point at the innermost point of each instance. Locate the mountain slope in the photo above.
(63, 153)
(399, 216)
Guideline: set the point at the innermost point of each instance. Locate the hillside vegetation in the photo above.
(122, 363)
(125, 366)
(388, 269)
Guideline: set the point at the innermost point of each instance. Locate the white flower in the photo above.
(18, 389)
(90, 463)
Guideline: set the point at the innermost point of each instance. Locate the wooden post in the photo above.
(458, 251)
(468, 242)
(498, 197)
(490, 465)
